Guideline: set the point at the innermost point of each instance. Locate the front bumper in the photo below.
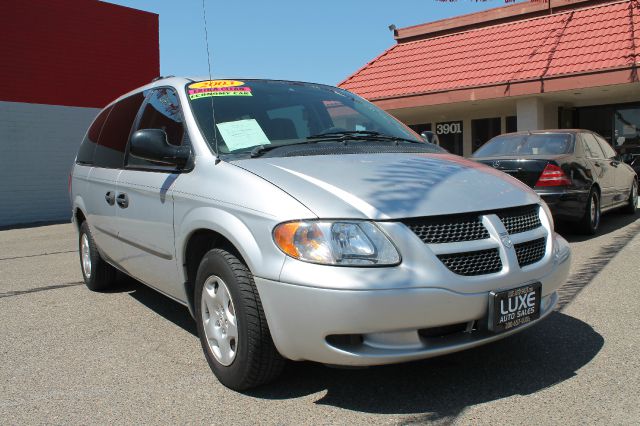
(390, 323)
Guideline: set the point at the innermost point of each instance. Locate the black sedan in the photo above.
(576, 172)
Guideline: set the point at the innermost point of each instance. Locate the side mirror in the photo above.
(151, 144)
(620, 140)
(430, 137)
(627, 158)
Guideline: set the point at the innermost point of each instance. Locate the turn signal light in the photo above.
(553, 175)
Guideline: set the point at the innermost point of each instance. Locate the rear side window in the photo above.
(115, 133)
(88, 145)
(591, 146)
(608, 151)
(161, 111)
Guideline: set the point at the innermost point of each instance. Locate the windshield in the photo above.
(252, 113)
(527, 144)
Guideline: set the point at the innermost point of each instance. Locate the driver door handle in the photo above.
(110, 198)
(123, 200)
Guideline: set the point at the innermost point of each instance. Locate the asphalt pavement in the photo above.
(68, 355)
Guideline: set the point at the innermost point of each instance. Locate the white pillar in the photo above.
(530, 113)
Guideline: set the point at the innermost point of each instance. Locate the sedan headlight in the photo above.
(336, 243)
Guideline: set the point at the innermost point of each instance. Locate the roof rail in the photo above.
(161, 77)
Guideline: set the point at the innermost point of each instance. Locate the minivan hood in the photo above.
(390, 186)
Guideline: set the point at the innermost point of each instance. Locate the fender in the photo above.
(264, 263)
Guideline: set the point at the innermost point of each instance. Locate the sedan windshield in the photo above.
(253, 114)
(527, 144)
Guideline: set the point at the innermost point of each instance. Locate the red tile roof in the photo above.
(578, 41)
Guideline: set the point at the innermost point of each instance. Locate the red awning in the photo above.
(593, 39)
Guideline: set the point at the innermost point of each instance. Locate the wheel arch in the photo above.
(199, 234)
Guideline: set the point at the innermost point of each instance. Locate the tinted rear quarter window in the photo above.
(88, 145)
(115, 133)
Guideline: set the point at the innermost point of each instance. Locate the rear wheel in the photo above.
(98, 275)
(231, 323)
(591, 219)
(632, 206)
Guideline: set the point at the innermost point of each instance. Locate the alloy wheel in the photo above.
(85, 255)
(219, 320)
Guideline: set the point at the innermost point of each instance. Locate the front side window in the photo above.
(161, 111)
(527, 144)
(261, 112)
(115, 132)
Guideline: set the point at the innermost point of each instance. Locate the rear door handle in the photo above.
(122, 200)
(110, 198)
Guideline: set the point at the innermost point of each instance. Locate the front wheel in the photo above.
(591, 219)
(632, 205)
(231, 323)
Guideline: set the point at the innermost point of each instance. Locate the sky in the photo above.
(323, 41)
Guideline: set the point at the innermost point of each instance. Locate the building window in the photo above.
(482, 130)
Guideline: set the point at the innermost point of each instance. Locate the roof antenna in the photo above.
(213, 113)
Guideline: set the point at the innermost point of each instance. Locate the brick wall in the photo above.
(36, 159)
(61, 60)
(75, 52)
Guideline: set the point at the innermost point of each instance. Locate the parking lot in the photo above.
(131, 356)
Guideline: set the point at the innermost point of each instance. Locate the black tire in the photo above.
(632, 204)
(256, 360)
(101, 275)
(591, 219)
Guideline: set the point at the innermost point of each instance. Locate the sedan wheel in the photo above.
(591, 220)
(632, 205)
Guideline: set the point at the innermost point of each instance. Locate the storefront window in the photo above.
(511, 124)
(627, 130)
(482, 130)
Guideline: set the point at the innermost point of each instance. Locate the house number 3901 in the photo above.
(448, 128)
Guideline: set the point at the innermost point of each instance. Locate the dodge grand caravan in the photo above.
(298, 221)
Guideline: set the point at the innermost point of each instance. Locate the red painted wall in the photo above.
(75, 52)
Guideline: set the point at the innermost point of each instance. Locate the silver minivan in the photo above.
(298, 221)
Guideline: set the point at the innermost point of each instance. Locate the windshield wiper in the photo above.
(261, 149)
(344, 133)
(358, 135)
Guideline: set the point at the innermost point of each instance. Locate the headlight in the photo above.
(336, 243)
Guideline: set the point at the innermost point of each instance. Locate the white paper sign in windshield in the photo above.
(242, 134)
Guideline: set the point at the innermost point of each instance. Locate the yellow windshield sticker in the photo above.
(219, 91)
(209, 84)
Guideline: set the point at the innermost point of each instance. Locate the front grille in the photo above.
(520, 219)
(531, 251)
(473, 263)
(448, 229)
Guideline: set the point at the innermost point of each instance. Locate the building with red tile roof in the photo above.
(526, 66)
